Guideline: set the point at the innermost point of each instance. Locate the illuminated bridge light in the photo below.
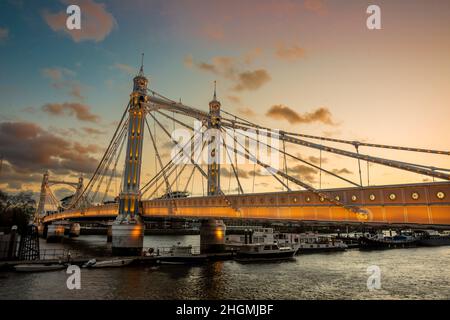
(440, 195)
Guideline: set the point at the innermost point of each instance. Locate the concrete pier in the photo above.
(55, 233)
(212, 236)
(127, 239)
(74, 231)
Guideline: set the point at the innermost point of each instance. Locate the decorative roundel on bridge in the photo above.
(322, 199)
(308, 199)
(295, 200)
(415, 195)
(354, 198)
(392, 196)
(372, 197)
(337, 198)
(440, 195)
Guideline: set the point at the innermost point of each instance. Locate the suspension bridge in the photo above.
(224, 140)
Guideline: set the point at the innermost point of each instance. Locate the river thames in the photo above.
(418, 273)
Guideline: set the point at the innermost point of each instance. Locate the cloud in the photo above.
(125, 68)
(252, 80)
(281, 112)
(80, 111)
(246, 111)
(213, 32)
(342, 171)
(316, 6)
(227, 172)
(28, 149)
(303, 172)
(92, 131)
(251, 55)
(231, 68)
(96, 21)
(234, 99)
(291, 53)
(316, 160)
(56, 73)
(4, 34)
(59, 76)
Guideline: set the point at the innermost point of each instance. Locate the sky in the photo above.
(307, 66)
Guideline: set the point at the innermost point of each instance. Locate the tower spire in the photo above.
(215, 87)
(141, 70)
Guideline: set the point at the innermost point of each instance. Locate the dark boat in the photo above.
(434, 239)
(382, 242)
(258, 252)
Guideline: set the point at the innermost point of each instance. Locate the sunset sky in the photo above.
(308, 66)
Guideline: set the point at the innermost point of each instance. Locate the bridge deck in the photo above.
(427, 203)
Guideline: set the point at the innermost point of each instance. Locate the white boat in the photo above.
(258, 252)
(179, 254)
(313, 242)
(108, 263)
(308, 242)
(38, 267)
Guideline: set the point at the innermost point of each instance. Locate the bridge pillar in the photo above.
(55, 233)
(127, 239)
(212, 236)
(109, 233)
(75, 229)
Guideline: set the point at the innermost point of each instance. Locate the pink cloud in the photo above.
(96, 21)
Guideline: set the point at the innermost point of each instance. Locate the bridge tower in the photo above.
(128, 229)
(40, 211)
(212, 231)
(214, 140)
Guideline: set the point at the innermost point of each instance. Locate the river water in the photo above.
(418, 273)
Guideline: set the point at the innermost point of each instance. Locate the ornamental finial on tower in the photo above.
(141, 70)
(214, 104)
(140, 82)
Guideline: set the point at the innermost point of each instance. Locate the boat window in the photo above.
(266, 247)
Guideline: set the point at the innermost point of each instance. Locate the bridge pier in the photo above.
(74, 230)
(212, 236)
(55, 233)
(127, 239)
(109, 233)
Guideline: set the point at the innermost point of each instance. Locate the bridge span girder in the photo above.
(413, 204)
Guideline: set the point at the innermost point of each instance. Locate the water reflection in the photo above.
(420, 273)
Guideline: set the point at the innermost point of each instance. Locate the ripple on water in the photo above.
(420, 273)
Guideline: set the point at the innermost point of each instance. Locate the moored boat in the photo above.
(431, 238)
(38, 267)
(379, 241)
(258, 252)
(314, 243)
(114, 263)
(180, 254)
